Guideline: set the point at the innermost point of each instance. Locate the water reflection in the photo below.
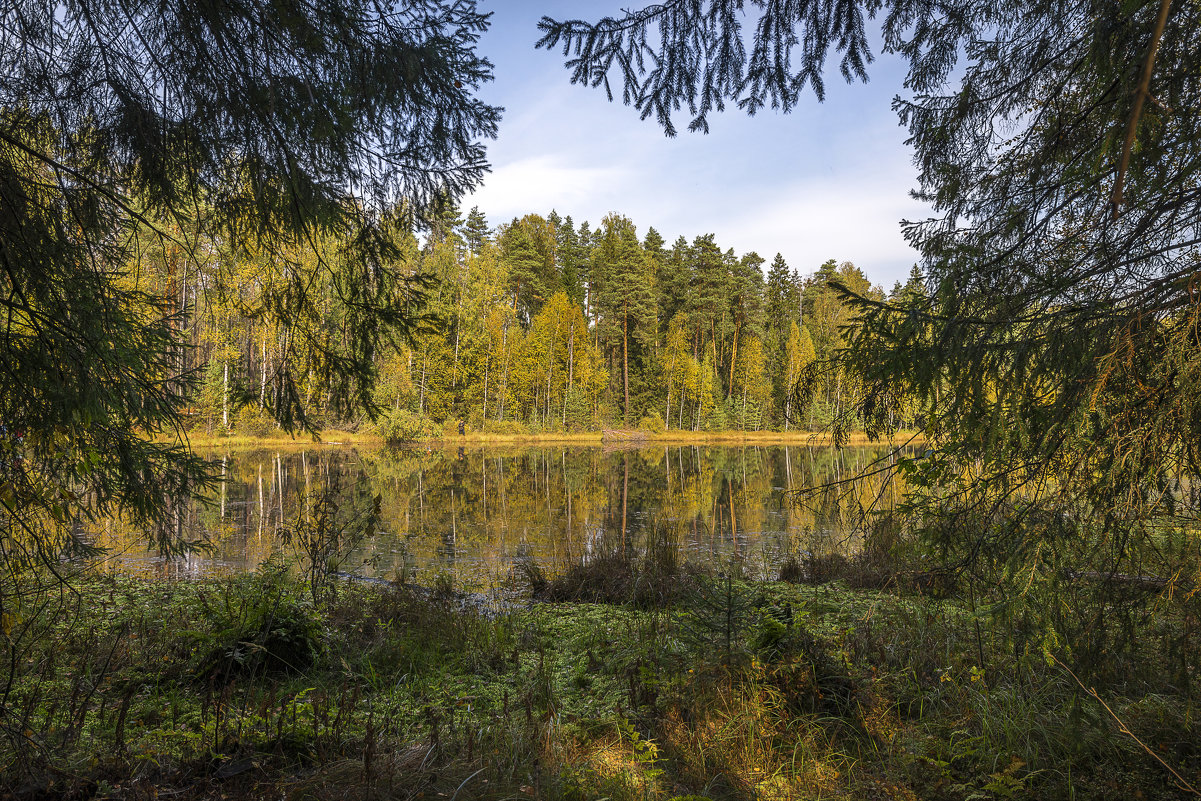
(472, 512)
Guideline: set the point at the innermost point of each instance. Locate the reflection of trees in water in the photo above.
(471, 511)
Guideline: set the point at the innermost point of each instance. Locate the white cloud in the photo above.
(855, 220)
(541, 183)
(854, 216)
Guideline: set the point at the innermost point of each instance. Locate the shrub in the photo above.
(504, 427)
(252, 421)
(400, 426)
(262, 625)
(654, 581)
(578, 415)
(652, 423)
(792, 571)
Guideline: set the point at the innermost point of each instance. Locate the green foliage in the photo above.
(262, 627)
(409, 694)
(505, 427)
(252, 421)
(700, 58)
(401, 426)
(653, 423)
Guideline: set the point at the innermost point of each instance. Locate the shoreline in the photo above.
(619, 439)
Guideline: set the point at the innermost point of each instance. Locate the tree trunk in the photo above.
(713, 341)
(487, 364)
(454, 375)
(570, 371)
(733, 360)
(550, 365)
(680, 424)
(625, 366)
(667, 410)
(425, 359)
(263, 372)
(788, 396)
(504, 386)
(838, 396)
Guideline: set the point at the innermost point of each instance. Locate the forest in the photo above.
(243, 218)
(538, 326)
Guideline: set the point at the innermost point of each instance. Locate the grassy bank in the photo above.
(697, 685)
(338, 438)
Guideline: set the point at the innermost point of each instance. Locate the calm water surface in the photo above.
(474, 512)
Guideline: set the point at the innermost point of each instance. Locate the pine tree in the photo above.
(746, 307)
(528, 249)
(623, 273)
(653, 242)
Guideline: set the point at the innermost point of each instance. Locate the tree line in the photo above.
(539, 325)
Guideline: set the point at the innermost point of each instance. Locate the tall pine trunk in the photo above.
(487, 364)
(733, 360)
(425, 360)
(625, 365)
(570, 371)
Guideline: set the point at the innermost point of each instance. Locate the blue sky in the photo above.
(829, 180)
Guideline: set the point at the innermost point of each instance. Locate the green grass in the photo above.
(246, 688)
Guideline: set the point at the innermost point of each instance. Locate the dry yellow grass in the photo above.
(279, 440)
(337, 438)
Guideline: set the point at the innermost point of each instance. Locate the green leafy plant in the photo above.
(262, 625)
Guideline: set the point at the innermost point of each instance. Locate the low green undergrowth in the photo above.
(256, 687)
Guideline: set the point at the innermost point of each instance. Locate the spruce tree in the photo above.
(710, 293)
(525, 269)
(779, 312)
(776, 296)
(674, 279)
(571, 258)
(476, 231)
(587, 242)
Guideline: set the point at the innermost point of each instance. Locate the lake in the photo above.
(473, 512)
